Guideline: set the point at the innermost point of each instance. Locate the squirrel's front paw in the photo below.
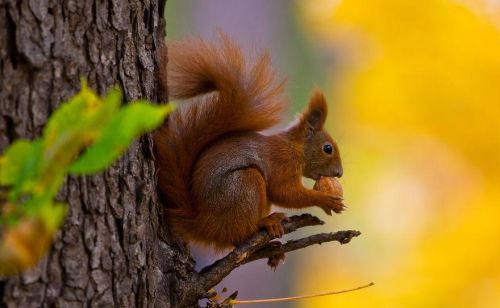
(273, 224)
(333, 203)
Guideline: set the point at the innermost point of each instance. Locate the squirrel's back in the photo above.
(227, 96)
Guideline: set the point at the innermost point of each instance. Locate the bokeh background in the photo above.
(414, 96)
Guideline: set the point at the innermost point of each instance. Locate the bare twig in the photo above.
(343, 237)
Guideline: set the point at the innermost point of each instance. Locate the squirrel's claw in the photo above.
(327, 210)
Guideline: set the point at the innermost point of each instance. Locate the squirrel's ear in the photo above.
(315, 115)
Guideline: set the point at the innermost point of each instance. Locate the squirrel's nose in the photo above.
(339, 172)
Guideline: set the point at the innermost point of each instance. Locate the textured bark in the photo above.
(111, 250)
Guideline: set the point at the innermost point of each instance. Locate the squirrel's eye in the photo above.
(328, 148)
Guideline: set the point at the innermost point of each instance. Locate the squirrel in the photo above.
(217, 172)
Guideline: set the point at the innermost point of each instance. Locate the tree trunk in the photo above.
(111, 251)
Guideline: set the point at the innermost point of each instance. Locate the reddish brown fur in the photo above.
(218, 175)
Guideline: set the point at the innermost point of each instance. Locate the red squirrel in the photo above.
(217, 173)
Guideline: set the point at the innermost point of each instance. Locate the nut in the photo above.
(329, 185)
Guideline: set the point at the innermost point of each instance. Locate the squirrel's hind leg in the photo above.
(230, 209)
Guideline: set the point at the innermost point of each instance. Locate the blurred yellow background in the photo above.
(418, 104)
(414, 93)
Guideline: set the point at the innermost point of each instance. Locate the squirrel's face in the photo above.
(322, 157)
(321, 154)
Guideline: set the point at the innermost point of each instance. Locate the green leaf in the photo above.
(19, 166)
(71, 115)
(129, 123)
(73, 127)
(52, 214)
(78, 121)
(13, 162)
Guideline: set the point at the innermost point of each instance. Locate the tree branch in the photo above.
(213, 274)
(343, 237)
(258, 247)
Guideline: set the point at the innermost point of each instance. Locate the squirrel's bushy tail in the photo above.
(238, 98)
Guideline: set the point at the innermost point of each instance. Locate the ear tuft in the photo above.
(316, 112)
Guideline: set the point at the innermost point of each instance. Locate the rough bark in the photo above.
(111, 251)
